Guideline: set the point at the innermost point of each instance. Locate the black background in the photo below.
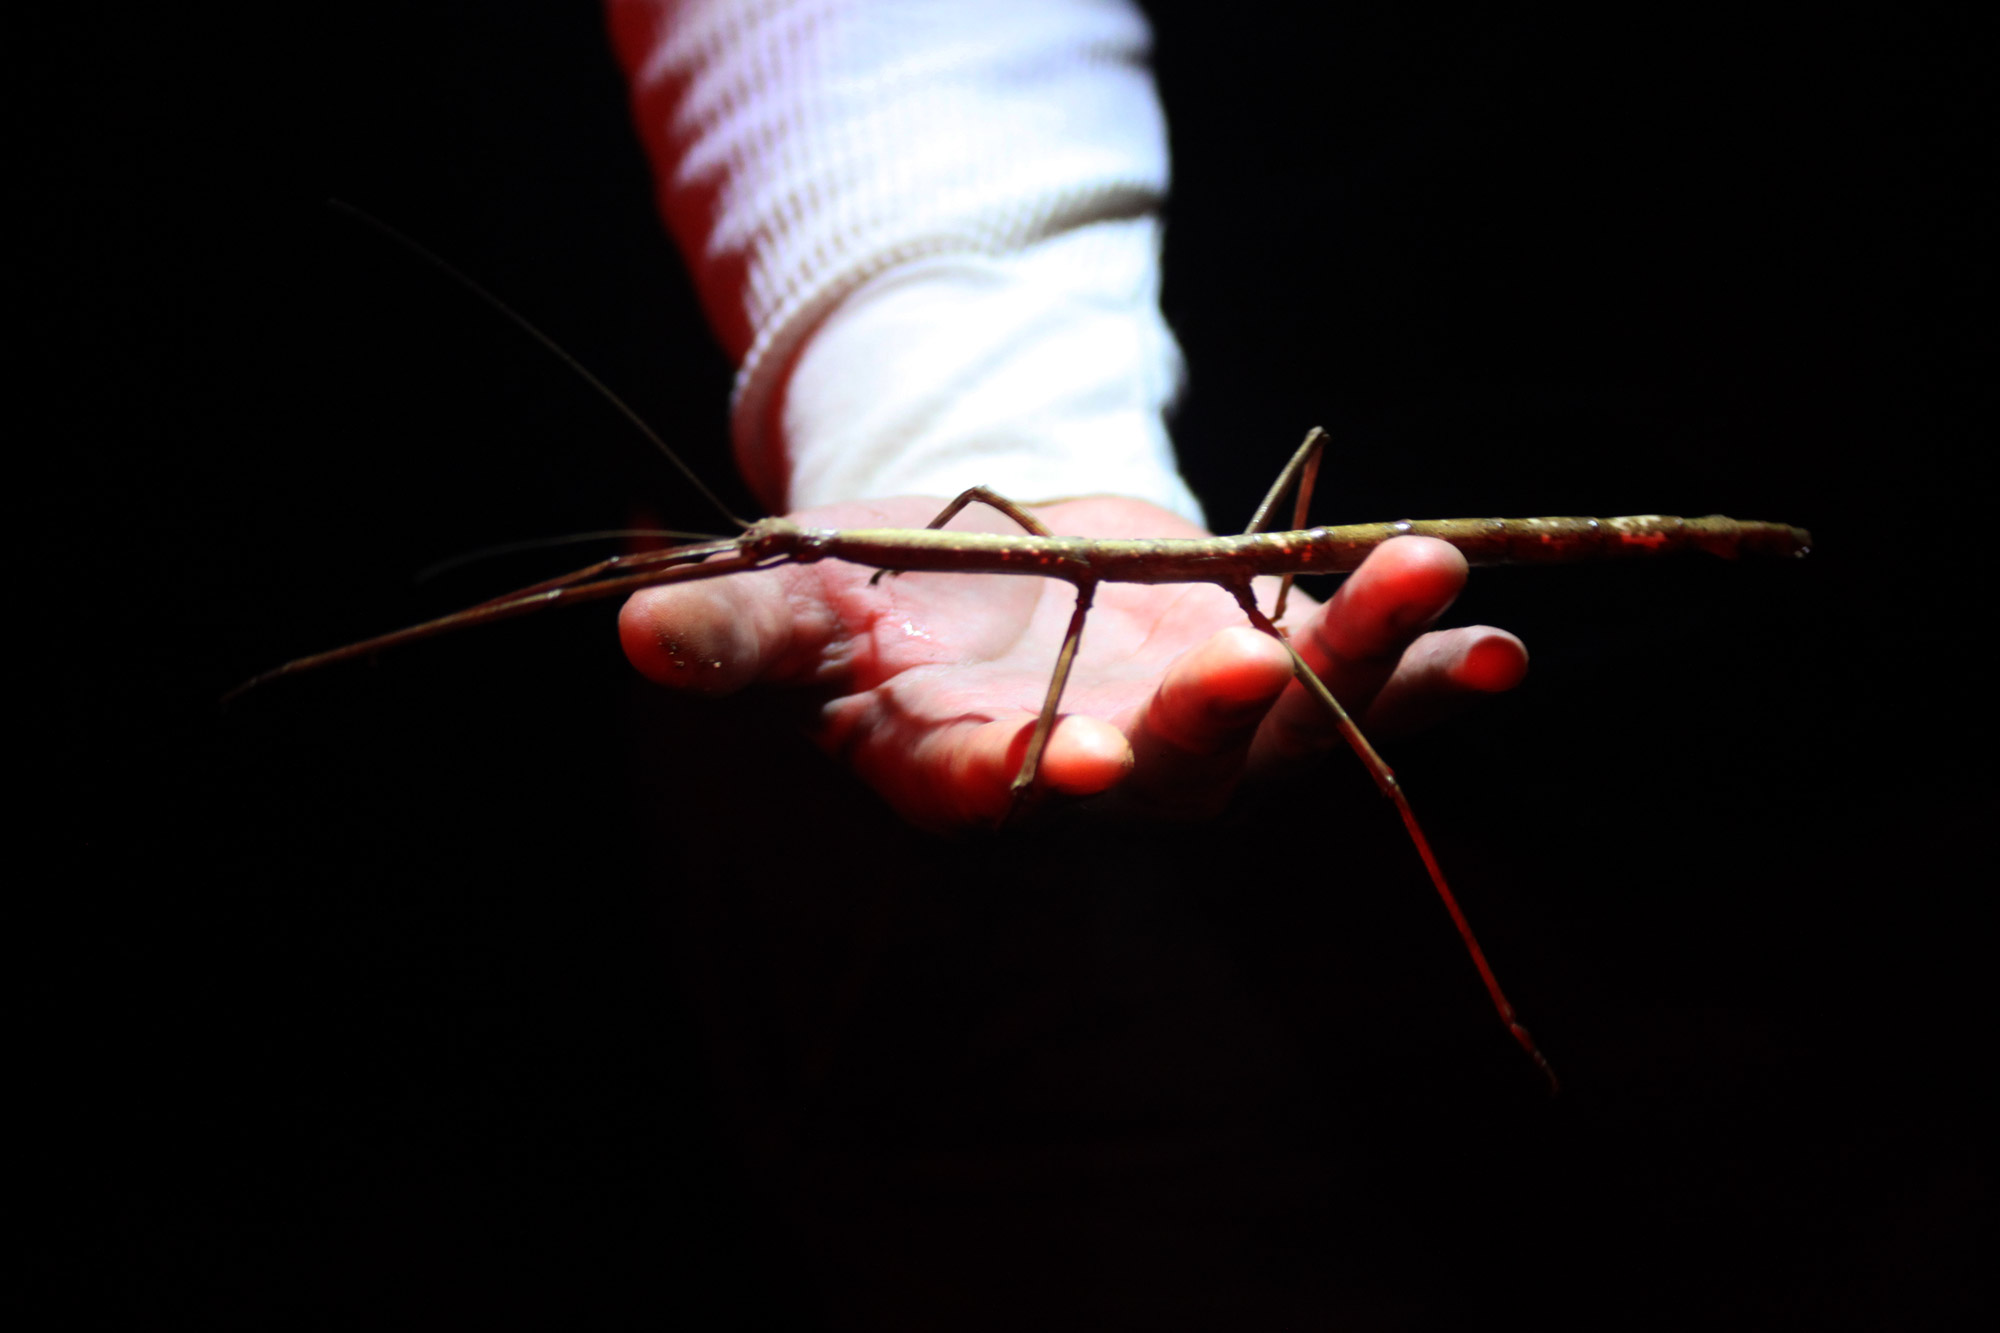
(483, 985)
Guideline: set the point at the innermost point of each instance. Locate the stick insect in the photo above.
(1230, 563)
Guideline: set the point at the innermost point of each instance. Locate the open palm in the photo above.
(928, 685)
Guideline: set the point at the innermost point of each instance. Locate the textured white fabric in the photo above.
(926, 230)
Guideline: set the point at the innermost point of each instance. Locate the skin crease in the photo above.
(928, 684)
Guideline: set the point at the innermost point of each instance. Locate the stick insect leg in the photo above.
(1086, 590)
(978, 495)
(1385, 780)
(993, 500)
(1304, 468)
(678, 555)
(629, 573)
(1031, 763)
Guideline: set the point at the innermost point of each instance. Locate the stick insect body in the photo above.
(1229, 562)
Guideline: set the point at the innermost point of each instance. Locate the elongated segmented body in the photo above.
(1224, 560)
(1085, 562)
(1338, 550)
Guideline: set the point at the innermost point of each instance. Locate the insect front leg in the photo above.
(977, 495)
(1303, 467)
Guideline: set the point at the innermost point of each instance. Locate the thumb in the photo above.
(713, 638)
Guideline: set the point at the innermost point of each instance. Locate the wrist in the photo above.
(1046, 371)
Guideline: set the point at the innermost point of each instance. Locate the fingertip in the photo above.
(1428, 557)
(1427, 577)
(1243, 667)
(1441, 674)
(1492, 664)
(686, 639)
(1085, 755)
(1400, 590)
(972, 781)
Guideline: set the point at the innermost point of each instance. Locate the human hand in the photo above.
(929, 685)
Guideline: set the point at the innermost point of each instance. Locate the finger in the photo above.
(963, 775)
(1357, 639)
(1186, 754)
(714, 637)
(1190, 743)
(1085, 755)
(1441, 673)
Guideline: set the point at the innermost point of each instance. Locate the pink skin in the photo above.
(929, 684)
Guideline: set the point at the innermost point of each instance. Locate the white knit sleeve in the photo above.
(927, 230)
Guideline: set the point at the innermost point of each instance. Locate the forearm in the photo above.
(928, 234)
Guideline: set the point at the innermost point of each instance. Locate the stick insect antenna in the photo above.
(443, 567)
(521, 322)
